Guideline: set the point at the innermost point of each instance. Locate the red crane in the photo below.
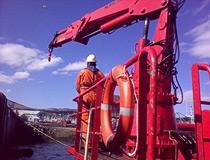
(154, 133)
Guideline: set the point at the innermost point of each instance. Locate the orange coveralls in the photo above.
(85, 79)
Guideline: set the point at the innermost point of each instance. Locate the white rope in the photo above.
(123, 74)
(88, 134)
(137, 138)
(46, 135)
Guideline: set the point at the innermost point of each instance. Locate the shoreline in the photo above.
(54, 130)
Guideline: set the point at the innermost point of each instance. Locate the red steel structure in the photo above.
(202, 118)
(155, 133)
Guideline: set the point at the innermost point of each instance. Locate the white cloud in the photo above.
(183, 44)
(207, 83)
(199, 30)
(6, 79)
(40, 64)
(196, 11)
(28, 42)
(23, 58)
(63, 73)
(76, 66)
(30, 79)
(200, 41)
(13, 78)
(188, 97)
(31, 59)
(17, 55)
(205, 96)
(200, 8)
(21, 75)
(8, 91)
(200, 50)
(204, 19)
(55, 72)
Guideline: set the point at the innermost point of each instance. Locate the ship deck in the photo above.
(104, 155)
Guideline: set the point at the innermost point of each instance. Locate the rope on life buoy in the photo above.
(137, 128)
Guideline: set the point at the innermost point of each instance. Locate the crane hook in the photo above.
(49, 55)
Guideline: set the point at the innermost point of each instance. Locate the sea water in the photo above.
(48, 151)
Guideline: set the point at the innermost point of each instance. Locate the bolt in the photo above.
(143, 10)
(131, 11)
(83, 18)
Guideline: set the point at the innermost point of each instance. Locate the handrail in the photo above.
(204, 67)
(89, 89)
(127, 64)
(197, 107)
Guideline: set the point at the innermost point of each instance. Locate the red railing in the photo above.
(199, 125)
(152, 110)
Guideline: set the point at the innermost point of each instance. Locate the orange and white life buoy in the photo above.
(118, 76)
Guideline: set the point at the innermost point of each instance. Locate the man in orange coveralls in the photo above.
(85, 79)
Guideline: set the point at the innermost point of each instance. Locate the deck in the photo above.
(102, 154)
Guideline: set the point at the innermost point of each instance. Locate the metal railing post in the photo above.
(78, 127)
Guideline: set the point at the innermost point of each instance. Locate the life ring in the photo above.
(113, 141)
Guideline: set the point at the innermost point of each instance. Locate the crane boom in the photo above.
(109, 17)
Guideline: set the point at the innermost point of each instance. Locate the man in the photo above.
(85, 79)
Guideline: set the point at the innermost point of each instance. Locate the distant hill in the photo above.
(60, 110)
(15, 105)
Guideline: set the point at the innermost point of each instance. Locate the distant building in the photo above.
(33, 118)
(37, 115)
(30, 114)
(51, 118)
(27, 112)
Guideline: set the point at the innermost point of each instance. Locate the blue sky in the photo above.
(27, 28)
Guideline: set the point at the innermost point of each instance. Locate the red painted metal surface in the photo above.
(141, 66)
(186, 127)
(206, 132)
(199, 124)
(77, 136)
(96, 124)
(107, 18)
(197, 111)
(152, 77)
(71, 150)
(152, 107)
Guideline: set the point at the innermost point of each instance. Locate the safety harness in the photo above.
(94, 70)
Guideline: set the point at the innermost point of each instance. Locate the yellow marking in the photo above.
(60, 40)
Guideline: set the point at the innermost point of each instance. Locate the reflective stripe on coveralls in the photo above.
(118, 76)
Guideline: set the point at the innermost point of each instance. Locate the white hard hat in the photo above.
(91, 58)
